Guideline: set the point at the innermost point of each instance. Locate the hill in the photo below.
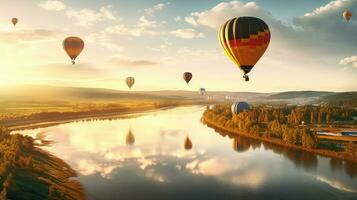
(339, 99)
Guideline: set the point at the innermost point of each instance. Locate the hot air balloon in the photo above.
(187, 76)
(238, 107)
(347, 15)
(188, 144)
(202, 91)
(73, 47)
(244, 40)
(130, 81)
(14, 21)
(130, 139)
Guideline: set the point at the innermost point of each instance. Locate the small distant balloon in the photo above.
(347, 15)
(73, 47)
(238, 107)
(130, 81)
(188, 144)
(130, 139)
(14, 21)
(187, 76)
(202, 91)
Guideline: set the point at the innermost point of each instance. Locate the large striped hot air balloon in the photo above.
(238, 107)
(347, 15)
(73, 47)
(187, 76)
(244, 40)
(130, 81)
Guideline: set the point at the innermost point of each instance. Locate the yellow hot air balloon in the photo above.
(14, 21)
(73, 47)
(347, 15)
(130, 81)
(244, 40)
(187, 76)
(130, 139)
(188, 144)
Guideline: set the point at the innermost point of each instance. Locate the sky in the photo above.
(311, 47)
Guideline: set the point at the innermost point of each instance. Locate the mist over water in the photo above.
(145, 158)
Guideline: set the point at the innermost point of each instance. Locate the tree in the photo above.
(308, 140)
(351, 149)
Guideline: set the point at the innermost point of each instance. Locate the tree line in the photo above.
(284, 123)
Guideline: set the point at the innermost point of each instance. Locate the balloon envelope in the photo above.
(73, 47)
(202, 91)
(187, 76)
(14, 21)
(130, 81)
(244, 40)
(347, 15)
(238, 107)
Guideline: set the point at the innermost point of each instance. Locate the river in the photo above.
(152, 163)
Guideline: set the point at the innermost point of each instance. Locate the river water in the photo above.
(144, 157)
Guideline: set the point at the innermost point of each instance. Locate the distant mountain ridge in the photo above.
(59, 93)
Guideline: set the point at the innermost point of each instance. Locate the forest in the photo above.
(289, 125)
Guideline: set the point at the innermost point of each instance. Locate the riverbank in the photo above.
(327, 153)
(28, 172)
(45, 119)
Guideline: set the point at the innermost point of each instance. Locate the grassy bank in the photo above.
(27, 172)
(44, 116)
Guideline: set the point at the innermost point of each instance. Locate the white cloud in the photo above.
(188, 33)
(104, 40)
(332, 6)
(151, 11)
(145, 23)
(214, 17)
(143, 27)
(88, 17)
(53, 5)
(177, 19)
(349, 61)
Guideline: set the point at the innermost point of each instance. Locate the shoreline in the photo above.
(326, 153)
(77, 116)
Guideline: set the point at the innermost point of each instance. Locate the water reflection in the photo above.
(130, 139)
(157, 166)
(188, 144)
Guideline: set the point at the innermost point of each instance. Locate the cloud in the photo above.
(145, 23)
(325, 26)
(151, 11)
(177, 19)
(320, 32)
(28, 36)
(330, 7)
(188, 33)
(53, 5)
(220, 13)
(89, 17)
(104, 40)
(133, 62)
(349, 61)
(143, 27)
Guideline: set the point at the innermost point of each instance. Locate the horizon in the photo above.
(311, 48)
